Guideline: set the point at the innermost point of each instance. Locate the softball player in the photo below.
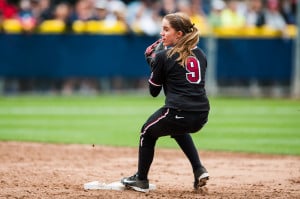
(179, 69)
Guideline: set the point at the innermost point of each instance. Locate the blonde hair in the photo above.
(181, 22)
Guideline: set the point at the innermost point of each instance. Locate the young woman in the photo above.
(179, 69)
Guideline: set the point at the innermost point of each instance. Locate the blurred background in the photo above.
(90, 47)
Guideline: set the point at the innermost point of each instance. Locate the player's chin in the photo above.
(165, 43)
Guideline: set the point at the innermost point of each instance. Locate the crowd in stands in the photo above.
(141, 17)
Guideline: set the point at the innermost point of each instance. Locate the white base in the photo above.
(96, 185)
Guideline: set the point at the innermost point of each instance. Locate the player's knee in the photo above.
(148, 141)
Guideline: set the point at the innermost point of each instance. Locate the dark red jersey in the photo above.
(183, 86)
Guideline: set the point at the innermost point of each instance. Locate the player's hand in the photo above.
(150, 49)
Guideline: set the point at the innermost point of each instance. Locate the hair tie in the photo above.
(192, 27)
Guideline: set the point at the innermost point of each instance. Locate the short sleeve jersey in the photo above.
(183, 86)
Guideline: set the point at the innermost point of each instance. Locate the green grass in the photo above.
(246, 125)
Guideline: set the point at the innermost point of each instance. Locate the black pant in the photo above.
(178, 124)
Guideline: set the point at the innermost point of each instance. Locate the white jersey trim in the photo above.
(151, 82)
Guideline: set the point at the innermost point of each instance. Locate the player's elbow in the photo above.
(154, 94)
(154, 90)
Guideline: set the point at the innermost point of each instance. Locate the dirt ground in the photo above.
(38, 170)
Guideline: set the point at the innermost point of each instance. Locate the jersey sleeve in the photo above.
(157, 77)
(157, 71)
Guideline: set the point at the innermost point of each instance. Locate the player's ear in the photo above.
(179, 34)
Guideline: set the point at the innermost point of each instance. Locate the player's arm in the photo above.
(154, 88)
(157, 76)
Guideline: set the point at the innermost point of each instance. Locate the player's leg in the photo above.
(139, 181)
(148, 138)
(192, 122)
(188, 147)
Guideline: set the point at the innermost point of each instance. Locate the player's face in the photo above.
(168, 34)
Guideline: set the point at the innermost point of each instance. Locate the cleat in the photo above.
(136, 184)
(201, 177)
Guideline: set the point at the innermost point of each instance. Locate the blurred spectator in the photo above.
(214, 16)
(288, 11)
(195, 11)
(242, 7)
(62, 12)
(26, 16)
(84, 10)
(184, 6)
(231, 17)
(45, 10)
(145, 18)
(117, 12)
(168, 6)
(273, 17)
(8, 9)
(59, 21)
(101, 9)
(132, 8)
(35, 8)
(255, 13)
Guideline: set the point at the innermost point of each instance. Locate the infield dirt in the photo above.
(38, 170)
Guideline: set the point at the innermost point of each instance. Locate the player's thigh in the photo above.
(158, 124)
